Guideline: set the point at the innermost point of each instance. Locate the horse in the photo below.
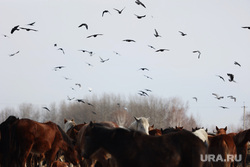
(202, 134)
(100, 156)
(41, 138)
(140, 124)
(68, 124)
(169, 130)
(7, 145)
(136, 149)
(155, 132)
(241, 140)
(72, 129)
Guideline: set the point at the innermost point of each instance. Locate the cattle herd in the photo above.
(27, 143)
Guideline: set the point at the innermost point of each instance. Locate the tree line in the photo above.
(162, 113)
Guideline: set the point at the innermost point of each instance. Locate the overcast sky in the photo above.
(212, 27)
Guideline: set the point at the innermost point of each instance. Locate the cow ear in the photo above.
(225, 128)
(217, 128)
(65, 120)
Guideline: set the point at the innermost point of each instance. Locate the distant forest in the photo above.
(162, 113)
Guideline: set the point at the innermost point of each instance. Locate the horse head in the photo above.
(221, 131)
(141, 124)
(68, 124)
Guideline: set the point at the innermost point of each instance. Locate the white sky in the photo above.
(213, 27)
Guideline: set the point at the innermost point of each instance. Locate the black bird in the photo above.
(232, 97)
(156, 34)
(61, 50)
(117, 53)
(197, 51)
(105, 11)
(6, 36)
(58, 68)
(70, 98)
(223, 107)
(31, 24)
(247, 27)
(148, 90)
(28, 29)
(78, 84)
(16, 28)
(80, 101)
(161, 50)
(151, 46)
(195, 98)
(119, 11)
(236, 63)
(89, 64)
(217, 96)
(138, 2)
(182, 33)
(46, 108)
(129, 40)
(221, 77)
(94, 35)
(148, 77)
(102, 60)
(140, 17)
(90, 104)
(13, 54)
(231, 77)
(85, 25)
(143, 69)
(143, 93)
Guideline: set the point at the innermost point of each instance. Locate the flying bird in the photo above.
(58, 68)
(143, 93)
(148, 77)
(119, 11)
(247, 27)
(102, 60)
(156, 34)
(148, 90)
(182, 33)
(6, 36)
(236, 63)
(197, 51)
(89, 64)
(85, 25)
(221, 77)
(138, 2)
(77, 84)
(232, 97)
(129, 40)
(217, 96)
(223, 107)
(61, 50)
(46, 108)
(90, 104)
(143, 69)
(80, 101)
(140, 17)
(13, 54)
(16, 28)
(70, 98)
(195, 98)
(94, 35)
(231, 77)
(151, 46)
(105, 11)
(31, 24)
(28, 29)
(161, 50)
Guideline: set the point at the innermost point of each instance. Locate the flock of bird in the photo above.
(142, 92)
